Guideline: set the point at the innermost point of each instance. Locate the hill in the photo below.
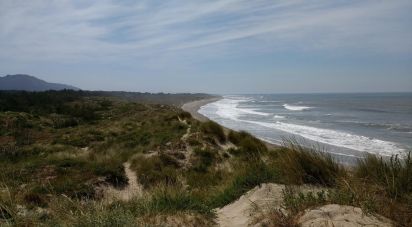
(30, 83)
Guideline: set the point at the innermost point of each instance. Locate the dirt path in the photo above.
(133, 189)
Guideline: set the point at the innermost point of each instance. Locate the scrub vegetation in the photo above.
(60, 152)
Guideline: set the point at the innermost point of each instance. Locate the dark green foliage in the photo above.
(236, 137)
(114, 172)
(204, 159)
(35, 199)
(5, 213)
(185, 115)
(167, 200)
(13, 153)
(248, 145)
(60, 121)
(214, 129)
(156, 170)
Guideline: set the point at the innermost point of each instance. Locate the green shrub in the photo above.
(248, 145)
(296, 202)
(113, 171)
(185, 115)
(236, 137)
(35, 199)
(214, 129)
(169, 200)
(204, 159)
(74, 188)
(155, 170)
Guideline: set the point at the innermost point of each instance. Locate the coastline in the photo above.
(194, 106)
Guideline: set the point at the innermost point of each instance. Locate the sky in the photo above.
(213, 46)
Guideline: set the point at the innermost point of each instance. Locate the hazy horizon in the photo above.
(219, 47)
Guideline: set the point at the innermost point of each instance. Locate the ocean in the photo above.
(345, 125)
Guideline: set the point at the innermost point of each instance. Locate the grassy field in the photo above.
(59, 151)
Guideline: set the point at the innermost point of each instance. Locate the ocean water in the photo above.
(345, 125)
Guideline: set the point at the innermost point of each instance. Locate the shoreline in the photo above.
(194, 107)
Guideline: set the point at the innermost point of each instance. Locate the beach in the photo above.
(193, 107)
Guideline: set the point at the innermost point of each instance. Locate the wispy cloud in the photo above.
(52, 29)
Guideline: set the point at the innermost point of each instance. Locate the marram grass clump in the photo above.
(305, 165)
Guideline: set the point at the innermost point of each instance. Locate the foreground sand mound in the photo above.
(333, 215)
(258, 203)
(241, 212)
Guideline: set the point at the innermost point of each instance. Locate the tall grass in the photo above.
(248, 176)
(393, 175)
(302, 165)
(247, 144)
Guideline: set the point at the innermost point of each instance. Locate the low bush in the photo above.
(248, 145)
(296, 202)
(169, 199)
(214, 129)
(113, 171)
(204, 159)
(155, 170)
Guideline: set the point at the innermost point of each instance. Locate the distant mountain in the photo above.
(30, 83)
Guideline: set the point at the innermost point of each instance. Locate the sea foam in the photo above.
(228, 108)
(296, 108)
(337, 138)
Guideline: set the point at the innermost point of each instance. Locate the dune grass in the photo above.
(300, 164)
(214, 129)
(394, 174)
(248, 176)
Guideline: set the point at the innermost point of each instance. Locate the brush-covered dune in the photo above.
(87, 159)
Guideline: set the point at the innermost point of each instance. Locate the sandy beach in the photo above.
(193, 107)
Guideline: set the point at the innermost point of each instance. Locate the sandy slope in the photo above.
(241, 212)
(261, 200)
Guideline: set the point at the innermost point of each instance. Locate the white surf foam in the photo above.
(252, 111)
(296, 108)
(264, 101)
(228, 108)
(337, 138)
(278, 117)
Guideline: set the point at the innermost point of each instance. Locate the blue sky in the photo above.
(215, 46)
